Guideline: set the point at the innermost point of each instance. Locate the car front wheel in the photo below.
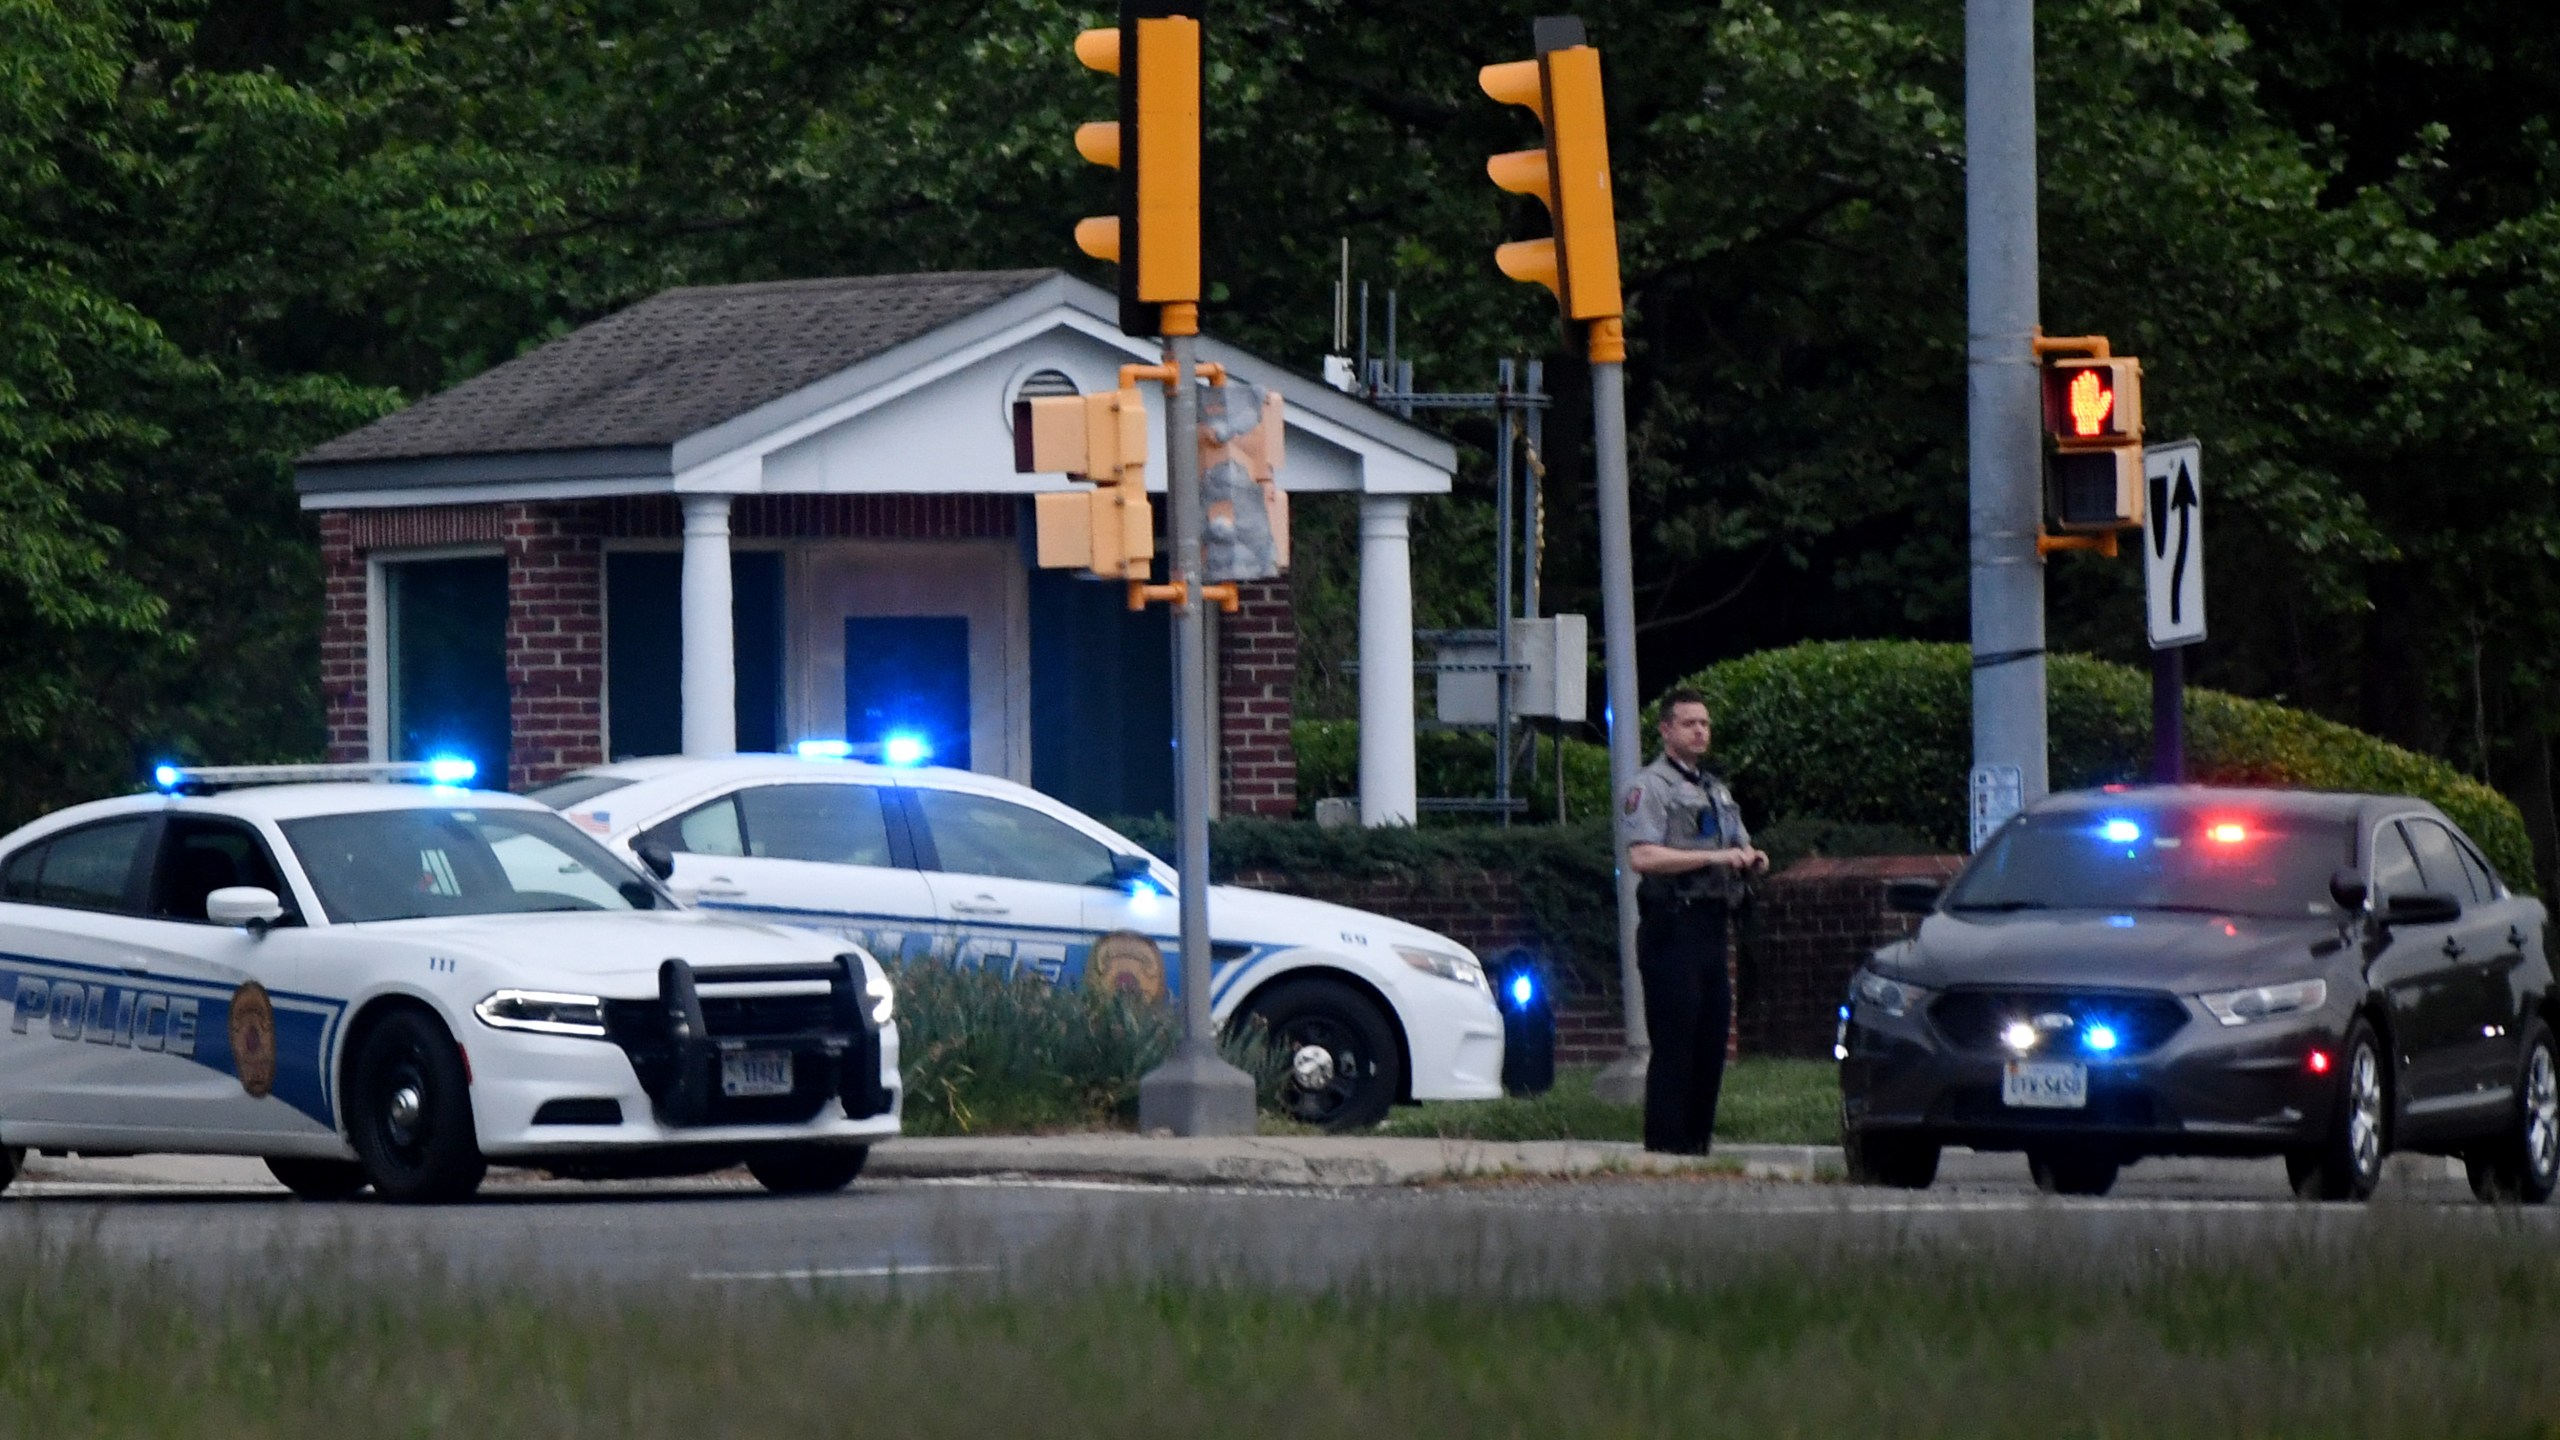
(1899, 1160)
(1340, 1065)
(2523, 1163)
(317, 1179)
(808, 1169)
(2347, 1163)
(409, 1112)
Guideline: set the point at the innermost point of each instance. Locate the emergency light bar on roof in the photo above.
(204, 779)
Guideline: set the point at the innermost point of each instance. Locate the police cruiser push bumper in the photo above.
(683, 1045)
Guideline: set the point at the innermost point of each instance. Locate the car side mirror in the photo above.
(1125, 868)
(253, 906)
(2346, 886)
(656, 858)
(2427, 907)
(1912, 897)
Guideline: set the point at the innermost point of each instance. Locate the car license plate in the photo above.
(2045, 1085)
(755, 1072)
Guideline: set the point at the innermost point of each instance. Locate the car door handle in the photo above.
(2515, 937)
(2452, 948)
(983, 905)
(719, 887)
(135, 967)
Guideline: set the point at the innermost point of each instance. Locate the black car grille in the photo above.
(2143, 1020)
(828, 1057)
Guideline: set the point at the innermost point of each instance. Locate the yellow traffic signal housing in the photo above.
(1109, 531)
(1154, 236)
(1569, 174)
(1245, 515)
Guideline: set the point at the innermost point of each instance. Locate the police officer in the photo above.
(1686, 840)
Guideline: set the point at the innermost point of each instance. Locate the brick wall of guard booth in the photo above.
(555, 616)
(1809, 928)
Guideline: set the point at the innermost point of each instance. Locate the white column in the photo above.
(710, 668)
(1386, 662)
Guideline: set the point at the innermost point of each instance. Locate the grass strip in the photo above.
(2394, 1329)
(1765, 1102)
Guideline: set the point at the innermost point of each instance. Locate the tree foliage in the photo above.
(230, 229)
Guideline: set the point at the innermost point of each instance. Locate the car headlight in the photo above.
(1448, 967)
(544, 1012)
(2261, 1002)
(882, 995)
(1896, 998)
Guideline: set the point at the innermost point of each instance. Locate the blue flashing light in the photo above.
(451, 770)
(166, 777)
(1523, 990)
(2120, 832)
(2099, 1037)
(2120, 922)
(824, 749)
(1144, 898)
(904, 749)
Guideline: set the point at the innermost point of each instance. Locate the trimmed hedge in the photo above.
(1881, 732)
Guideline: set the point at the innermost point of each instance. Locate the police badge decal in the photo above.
(253, 1038)
(1126, 961)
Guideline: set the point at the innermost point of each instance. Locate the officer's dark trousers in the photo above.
(1688, 1007)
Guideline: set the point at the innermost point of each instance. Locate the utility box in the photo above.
(1553, 685)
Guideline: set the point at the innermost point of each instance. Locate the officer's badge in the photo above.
(1127, 962)
(253, 1038)
(1635, 797)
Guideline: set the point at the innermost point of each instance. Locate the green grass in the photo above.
(1774, 1102)
(2380, 1327)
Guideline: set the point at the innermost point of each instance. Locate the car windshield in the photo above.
(414, 863)
(2222, 860)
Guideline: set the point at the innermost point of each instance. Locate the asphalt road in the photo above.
(721, 1231)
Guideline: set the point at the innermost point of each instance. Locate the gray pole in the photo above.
(2006, 429)
(1502, 459)
(1196, 1092)
(1623, 1080)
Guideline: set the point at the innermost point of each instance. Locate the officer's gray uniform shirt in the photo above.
(1684, 810)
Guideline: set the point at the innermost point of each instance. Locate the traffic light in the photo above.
(1154, 236)
(2093, 410)
(1570, 173)
(1245, 518)
(1110, 531)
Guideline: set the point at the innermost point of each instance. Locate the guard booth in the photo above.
(738, 517)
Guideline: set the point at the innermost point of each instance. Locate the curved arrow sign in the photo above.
(2173, 560)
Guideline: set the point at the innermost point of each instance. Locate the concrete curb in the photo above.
(1322, 1161)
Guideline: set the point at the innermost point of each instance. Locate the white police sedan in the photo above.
(395, 984)
(919, 863)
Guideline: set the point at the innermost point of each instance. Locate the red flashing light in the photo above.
(2227, 833)
(2319, 1062)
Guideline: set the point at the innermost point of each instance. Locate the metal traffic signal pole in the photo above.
(2003, 413)
(1196, 1092)
(1623, 1079)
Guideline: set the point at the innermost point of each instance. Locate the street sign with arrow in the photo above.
(2173, 543)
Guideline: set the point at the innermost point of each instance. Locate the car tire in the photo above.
(1342, 1068)
(12, 1160)
(808, 1169)
(409, 1112)
(318, 1179)
(2073, 1172)
(2347, 1163)
(2522, 1165)
(1895, 1159)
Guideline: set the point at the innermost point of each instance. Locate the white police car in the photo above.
(920, 863)
(395, 984)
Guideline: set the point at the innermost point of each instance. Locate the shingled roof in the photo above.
(673, 365)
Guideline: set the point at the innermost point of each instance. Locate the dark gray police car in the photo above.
(2190, 971)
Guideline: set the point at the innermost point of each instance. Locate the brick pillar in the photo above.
(555, 639)
(343, 679)
(1257, 685)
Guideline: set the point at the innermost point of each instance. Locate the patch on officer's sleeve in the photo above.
(1635, 797)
